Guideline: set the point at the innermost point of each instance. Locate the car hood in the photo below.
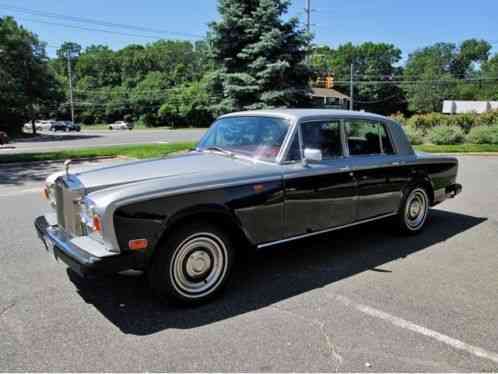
(199, 164)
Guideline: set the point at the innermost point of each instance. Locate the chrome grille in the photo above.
(67, 208)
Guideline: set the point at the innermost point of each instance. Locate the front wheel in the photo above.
(193, 265)
(413, 211)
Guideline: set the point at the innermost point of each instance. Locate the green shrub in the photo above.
(465, 121)
(443, 135)
(425, 122)
(415, 136)
(483, 135)
(488, 118)
(399, 118)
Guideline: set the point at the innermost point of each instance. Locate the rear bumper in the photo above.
(445, 193)
(453, 190)
(77, 258)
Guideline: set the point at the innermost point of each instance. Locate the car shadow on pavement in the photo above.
(269, 276)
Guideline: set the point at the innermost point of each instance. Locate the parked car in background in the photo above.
(45, 125)
(121, 125)
(65, 126)
(256, 179)
(4, 138)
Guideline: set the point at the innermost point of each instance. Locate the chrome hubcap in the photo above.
(199, 265)
(416, 209)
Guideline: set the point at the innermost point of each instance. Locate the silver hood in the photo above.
(189, 164)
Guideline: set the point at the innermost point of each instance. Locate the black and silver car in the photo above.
(255, 179)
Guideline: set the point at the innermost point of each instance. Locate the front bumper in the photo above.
(79, 259)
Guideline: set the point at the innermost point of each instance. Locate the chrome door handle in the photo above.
(345, 168)
(395, 163)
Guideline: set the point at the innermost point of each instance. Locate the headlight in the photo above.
(89, 218)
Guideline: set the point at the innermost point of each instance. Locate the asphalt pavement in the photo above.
(363, 299)
(48, 141)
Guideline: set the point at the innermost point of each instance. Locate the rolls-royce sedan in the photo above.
(255, 179)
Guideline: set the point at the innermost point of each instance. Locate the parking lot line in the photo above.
(404, 324)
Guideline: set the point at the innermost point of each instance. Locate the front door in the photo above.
(319, 195)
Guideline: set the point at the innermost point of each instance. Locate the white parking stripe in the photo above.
(20, 192)
(404, 324)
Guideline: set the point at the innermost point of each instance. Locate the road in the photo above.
(363, 299)
(58, 141)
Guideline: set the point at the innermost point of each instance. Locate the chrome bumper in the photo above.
(81, 254)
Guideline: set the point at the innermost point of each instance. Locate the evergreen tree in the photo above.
(261, 56)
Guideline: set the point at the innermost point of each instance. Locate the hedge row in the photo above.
(441, 129)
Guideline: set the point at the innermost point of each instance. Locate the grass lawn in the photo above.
(157, 150)
(458, 148)
(133, 151)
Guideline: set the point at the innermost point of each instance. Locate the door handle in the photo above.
(395, 163)
(345, 168)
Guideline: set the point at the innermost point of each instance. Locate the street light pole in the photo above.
(70, 76)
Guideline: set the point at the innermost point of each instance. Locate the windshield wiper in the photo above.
(219, 149)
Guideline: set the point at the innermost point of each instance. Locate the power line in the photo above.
(96, 22)
(90, 29)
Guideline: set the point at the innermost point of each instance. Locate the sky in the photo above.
(407, 24)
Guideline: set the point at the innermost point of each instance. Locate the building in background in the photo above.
(325, 96)
(328, 98)
(458, 106)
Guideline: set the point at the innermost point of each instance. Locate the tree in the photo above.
(440, 72)
(187, 105)
(261, 56)
(375, 67)
(28, 87)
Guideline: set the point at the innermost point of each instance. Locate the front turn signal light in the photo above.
(45, 193)
(97, 224)
(138, 244)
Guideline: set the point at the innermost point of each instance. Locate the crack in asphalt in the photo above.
(320, 325)
(7, 308)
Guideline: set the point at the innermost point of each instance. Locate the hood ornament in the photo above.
(67, 164)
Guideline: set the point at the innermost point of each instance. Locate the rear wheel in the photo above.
(414, 210)
(193, 265)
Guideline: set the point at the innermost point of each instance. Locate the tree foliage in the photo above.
(28, 88)
(372, 62)
(438, 73)
(260, 56)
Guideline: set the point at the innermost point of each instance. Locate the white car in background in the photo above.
(41, 125)
(121, 125)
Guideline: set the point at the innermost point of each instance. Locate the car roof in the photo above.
(305, 114)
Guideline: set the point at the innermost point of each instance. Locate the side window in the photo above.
(325, 136)
(367, 138)
(294, 153)
(387, 147)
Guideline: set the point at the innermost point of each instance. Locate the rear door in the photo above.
(318, 195)
(375, 165)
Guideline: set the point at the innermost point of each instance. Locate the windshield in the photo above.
(255, 137)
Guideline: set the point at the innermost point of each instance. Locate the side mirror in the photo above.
(312, 155)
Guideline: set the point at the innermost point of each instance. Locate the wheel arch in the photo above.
(423, 180)
(213, 214)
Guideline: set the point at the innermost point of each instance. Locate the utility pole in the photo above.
(308, 16)
(70, 76)
(351, 87)
(307, 9)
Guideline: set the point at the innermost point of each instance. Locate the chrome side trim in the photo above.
(269, 244)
